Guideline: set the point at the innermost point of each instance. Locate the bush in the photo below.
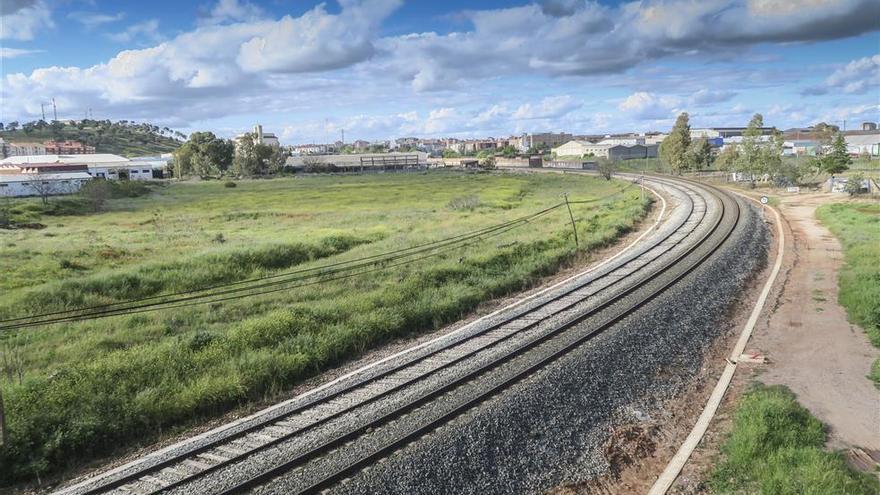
(853, 185)
(464, 203)
(229, 184)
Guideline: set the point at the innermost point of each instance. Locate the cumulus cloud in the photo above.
(318, 40)
(562, 38)
(23, 20)
(648, 106)
(186, 75)
(857, 77)
(147, 30)
(550, 107)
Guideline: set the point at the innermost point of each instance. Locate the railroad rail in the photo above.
(324, 438)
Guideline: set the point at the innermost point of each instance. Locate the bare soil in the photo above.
(814, 350)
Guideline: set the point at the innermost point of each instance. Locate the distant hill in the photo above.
(120, 138)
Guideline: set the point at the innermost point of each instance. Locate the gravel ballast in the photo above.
(549, 429)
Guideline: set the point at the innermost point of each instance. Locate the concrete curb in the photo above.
(677, 463)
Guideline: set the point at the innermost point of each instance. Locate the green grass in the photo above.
(776, 447)
(857, 226)
(91, 387)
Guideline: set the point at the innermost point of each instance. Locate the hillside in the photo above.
(121, 138)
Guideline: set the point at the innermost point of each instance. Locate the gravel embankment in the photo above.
(549, 429)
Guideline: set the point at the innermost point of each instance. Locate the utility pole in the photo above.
(343, 137)
(573, 226)
(43, 110)
(54, 109)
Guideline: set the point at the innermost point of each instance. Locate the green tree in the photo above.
(252, 158)
(606, 167)
(508, 151)
(447, 153)
(838, 159)
(701, 153)
(751, 152)
(728, 158)
(674, 149)
(204, 154)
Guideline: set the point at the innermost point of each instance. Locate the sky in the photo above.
(380, 69)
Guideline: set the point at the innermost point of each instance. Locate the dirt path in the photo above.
(812, 347)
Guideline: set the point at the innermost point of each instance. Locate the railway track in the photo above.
(324, 438)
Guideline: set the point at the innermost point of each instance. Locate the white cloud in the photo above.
(317, 40)
(856, 77)
(148, 30)
(586, 38)
(648, 106)
(6, 52)
(550, 107)
(92, 20)
(24, 20)
(233, 11)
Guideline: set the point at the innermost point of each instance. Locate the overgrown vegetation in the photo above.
(122, 138)
(87, 388)
(93, 197)
(776, 448)
(857, 226)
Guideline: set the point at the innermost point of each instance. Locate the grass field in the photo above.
(776, 448)
(75, 391)
(857, 226)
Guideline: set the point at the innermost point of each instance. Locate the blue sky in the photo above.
(388, 68)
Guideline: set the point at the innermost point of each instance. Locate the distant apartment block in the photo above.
(68, 148)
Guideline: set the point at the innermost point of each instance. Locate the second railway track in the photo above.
(322, 439)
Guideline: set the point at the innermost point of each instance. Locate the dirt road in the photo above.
(812, 347)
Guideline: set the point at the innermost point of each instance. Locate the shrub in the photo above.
(464, 203)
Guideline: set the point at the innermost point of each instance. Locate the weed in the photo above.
(857, 226)
(776, 447)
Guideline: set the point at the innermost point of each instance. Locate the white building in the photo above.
(100, 165)
(260, 137)
(628, 141)
(861, 144)
(27, 184)
(582, 148)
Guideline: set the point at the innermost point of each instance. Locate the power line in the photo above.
(245, 288)
(383, 258)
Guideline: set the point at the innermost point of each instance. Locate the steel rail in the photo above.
(349, 436)
(268, 421)
(134, 476)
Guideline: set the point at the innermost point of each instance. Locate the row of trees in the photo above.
(757, 154)
(206, 155)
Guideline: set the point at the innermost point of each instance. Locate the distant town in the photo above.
(54, 167)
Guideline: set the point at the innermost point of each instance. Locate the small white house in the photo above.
(22, 185)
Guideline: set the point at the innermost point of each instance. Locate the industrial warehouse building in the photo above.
(607, 150)
(99, 165)
(42, 184)
(360, 162)
(48, 175)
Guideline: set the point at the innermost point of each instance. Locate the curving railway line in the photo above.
(319, 439)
